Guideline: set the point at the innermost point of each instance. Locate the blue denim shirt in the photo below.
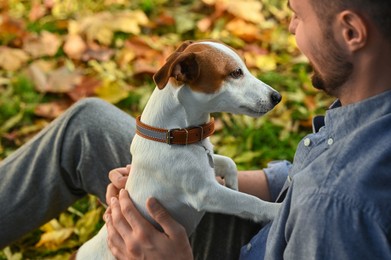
(338, 205)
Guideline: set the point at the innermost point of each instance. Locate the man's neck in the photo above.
(371, 76)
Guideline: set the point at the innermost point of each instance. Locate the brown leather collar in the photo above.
(182, 136)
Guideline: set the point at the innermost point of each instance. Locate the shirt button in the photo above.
(248, 247)
(307, 142)
(330, 141)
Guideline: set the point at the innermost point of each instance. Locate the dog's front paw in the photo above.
(225, 167)
(231, 182)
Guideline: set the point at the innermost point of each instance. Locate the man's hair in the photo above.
(377, 11)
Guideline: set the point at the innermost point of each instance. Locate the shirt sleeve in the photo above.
(276, 174)
(322, 226)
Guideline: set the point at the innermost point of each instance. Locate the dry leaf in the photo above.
(61, 80)
(97, 53)
(246, 31)
(74, 46)
(45, 44)
(12, 59)
(53, 109)
(86, 88)
(12, 30)
(37, 11)
(101, 27)
(249, 10)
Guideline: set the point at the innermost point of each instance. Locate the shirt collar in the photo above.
(345, 119)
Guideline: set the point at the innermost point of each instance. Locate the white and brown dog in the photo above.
(173, 159)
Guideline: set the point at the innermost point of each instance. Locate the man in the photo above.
(338, 204)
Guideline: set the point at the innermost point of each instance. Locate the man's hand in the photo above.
(131, 236)
(118, 178)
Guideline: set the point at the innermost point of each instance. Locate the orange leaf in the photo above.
(86, 88)
(74, 46)
(246, 31)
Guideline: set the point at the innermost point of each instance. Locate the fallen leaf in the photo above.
(86, 88)
(39, 77)
(11, 256)
(12, 59)
(112, 92)
(11, 122)
(101, 26)
(37, 11)
(12, 30)
(87, 224)
(63, 80)
(52, 240)
(97, 53)
(244, 30)
(249, 10)
(45, 44)
(53, 109)
(266, 62)
(74, 46)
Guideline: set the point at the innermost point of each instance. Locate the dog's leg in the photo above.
(225, 167)
(217, 198)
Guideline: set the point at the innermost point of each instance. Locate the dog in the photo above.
(172, 157)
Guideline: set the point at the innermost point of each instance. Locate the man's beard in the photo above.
(336, 77)
(334, 63)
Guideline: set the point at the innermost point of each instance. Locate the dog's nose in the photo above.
(275, 97)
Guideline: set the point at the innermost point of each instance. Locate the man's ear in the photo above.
(354, 30)
(182, 66)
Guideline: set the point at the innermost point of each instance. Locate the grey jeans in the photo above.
(72, 157)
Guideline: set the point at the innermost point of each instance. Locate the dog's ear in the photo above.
(162, 76)
(183, 46)
(186, 68)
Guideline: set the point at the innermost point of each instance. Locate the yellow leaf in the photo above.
(86, 226)
(112, 92)
(129, 22)
(53, 239)
(249, 10)
(52, 225)
(266, 62)
(12, 59)
(11, 256)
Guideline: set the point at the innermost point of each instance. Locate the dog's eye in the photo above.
(236, 73)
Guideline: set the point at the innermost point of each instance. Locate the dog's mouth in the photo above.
(252, 112)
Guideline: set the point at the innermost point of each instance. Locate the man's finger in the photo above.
(114, 239)
(131, 214)
(111, 191)
(119, 221)
(119, 176)
(170, 226)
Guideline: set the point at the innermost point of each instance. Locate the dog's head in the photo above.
(216, 72)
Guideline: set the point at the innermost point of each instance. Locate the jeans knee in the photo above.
(92, 111)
